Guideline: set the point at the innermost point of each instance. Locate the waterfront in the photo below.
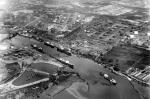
(92, 28)
(98, 87)
(90, 70)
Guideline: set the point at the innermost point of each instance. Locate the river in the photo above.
(89, 71)
(98, 86)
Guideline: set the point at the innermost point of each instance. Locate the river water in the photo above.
(89, 71)
(98, 86)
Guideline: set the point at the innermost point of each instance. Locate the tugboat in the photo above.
(107, 77)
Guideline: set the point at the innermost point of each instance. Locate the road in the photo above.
(8, 87)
